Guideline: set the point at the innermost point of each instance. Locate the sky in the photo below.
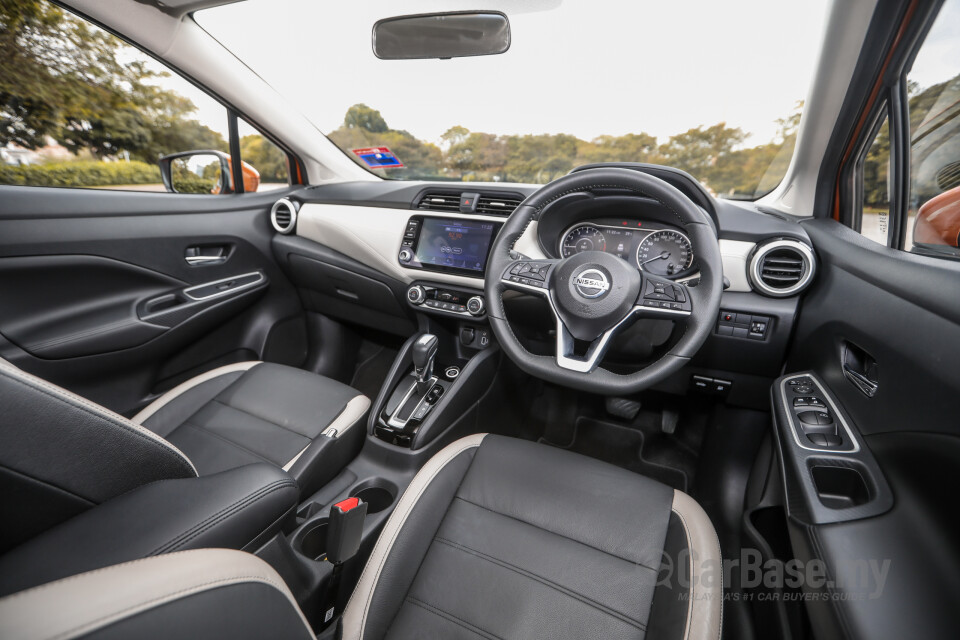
(584, 67)
(939, 57)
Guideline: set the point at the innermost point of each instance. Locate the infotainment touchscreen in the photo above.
(455, 244)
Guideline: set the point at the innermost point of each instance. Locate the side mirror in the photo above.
(197, 172)
(936, 230)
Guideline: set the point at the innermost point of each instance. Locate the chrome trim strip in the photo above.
(205, 259)
(227, 292)
(398, 424)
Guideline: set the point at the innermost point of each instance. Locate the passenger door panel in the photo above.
(101, 295)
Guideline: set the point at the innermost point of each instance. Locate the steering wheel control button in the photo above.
(659, 291)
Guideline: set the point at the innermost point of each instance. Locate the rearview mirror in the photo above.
(441, 35)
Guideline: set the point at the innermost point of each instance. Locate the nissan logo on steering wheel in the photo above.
(591, 283)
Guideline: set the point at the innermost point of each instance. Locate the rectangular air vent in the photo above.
(497, 205)
(440, 202)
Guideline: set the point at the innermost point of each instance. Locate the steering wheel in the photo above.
(594, 294)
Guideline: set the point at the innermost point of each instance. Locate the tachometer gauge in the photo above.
(585, 237)
(665, 253)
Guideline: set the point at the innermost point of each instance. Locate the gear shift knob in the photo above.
(424, 351)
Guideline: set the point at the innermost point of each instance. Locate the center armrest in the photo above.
(236, 509)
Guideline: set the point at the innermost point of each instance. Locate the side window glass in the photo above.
(875, 191)
(265, 165)
(81, 108)
(934, 98)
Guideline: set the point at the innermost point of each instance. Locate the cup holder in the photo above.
(313, 542)
(378, 495)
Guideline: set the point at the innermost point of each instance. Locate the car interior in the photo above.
(606, 403)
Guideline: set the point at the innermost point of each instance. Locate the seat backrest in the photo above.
(206, 593)
(61, 454)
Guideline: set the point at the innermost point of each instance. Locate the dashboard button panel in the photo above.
(426, 297)
(743, 325)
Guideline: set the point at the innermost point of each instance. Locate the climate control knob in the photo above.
(405, 255)
(416, 294)
(476, 306)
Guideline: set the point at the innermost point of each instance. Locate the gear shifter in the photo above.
(424, 351)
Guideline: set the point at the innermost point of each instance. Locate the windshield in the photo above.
(712, 88)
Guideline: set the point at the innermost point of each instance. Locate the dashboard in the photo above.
(652, 247)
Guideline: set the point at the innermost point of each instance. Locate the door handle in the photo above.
(195, 260)
(860, 368)
(201, 255)
(862, 382)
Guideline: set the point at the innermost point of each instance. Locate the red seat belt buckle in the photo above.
(345, 529)
(348, 504)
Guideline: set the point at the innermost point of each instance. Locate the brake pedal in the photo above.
(622, 408)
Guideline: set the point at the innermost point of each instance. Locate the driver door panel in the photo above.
(888, 317)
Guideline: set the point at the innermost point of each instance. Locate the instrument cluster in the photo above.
(657, 249)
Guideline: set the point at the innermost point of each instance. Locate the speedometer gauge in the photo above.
(665, 253)
(586, 237)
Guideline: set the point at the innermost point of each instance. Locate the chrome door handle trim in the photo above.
(196, 260)
(862, 382)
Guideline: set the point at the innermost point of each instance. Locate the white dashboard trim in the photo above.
(735, 254)
(372, 235)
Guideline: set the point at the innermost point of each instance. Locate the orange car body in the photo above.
(251, 178)
(938, 220)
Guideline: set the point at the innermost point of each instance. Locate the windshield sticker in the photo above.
(378, 158)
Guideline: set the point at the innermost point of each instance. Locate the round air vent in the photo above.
(781, 268)
(283, 215)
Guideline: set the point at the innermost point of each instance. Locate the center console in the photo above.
(429, 397)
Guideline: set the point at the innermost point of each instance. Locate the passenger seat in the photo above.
(257, 412)
(61, 454)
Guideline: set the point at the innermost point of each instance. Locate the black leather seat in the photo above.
(61, 454)
(494, 538)
(504, 538)
(255, 412)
